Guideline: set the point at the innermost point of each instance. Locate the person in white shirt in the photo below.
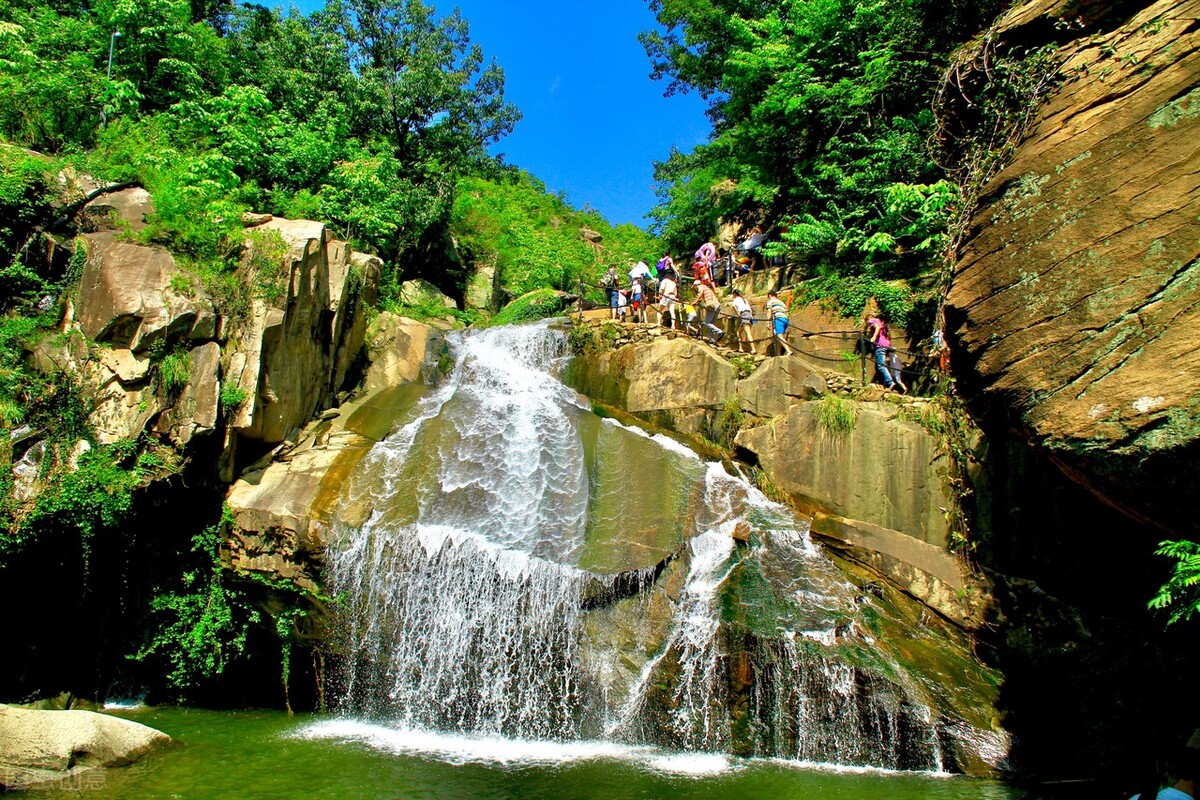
(668, 294)
(750, 247)
(640, 270)
(745, 321)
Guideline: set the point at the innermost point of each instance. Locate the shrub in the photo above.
(232, 397)
(836, 415)
(535, 305)
(722, 426)
(174, 372)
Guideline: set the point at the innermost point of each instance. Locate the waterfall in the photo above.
(524, 569)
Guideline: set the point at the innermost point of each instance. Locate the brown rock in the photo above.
(128, 206)
(666, 374)
(887, 472)
(198, 406)
(1073, 308)
(401, 350)
(118, 411)
(280, 511)
(778, 384)
(128, 367)
(125, 296)
(285, 356)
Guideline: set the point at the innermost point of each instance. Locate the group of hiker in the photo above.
(661, 286)
(696, 313)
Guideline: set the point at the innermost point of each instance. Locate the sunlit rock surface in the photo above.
(1074, 306)
(47, 747)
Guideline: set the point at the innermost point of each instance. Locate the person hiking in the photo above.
(668, 294)
(706, 298)
(778, 312)
(745, 331)
(749, 249)
(880, 342)
(611, 282)
(896, 367)
(637, 295)
(666, 267)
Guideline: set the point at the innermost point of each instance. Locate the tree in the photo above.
(419, 89)
(818, 108)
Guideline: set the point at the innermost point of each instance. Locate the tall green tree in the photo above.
(818, 107)
(422, 103)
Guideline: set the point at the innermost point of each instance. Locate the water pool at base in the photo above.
(265, 754)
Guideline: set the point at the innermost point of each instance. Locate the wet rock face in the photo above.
(1073, 310)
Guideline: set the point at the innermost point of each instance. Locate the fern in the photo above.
(1180, 595)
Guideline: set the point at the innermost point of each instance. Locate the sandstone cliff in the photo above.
(259, 373)
(1073, 308)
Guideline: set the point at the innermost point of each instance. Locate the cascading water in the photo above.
(528, 570)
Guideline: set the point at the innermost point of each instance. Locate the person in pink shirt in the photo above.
(880, 341)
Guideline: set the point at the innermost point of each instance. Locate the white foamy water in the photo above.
(477, 749)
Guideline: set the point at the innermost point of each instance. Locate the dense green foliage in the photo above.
(203, 623)
(821, 114)
(1180, 595)
(538, 304)
(363, 114)
(533, 238)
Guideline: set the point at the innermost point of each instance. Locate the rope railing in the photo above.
(802, 333)
(694, 329)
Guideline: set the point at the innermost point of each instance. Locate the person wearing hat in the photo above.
(745, 321)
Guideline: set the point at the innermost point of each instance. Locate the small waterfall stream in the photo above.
(484, 584)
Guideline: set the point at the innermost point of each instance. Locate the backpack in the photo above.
(610, 279)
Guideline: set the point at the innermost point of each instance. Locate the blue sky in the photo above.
(594, 122)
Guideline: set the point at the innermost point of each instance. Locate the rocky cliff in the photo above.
(879, 488)
(1074, 305)
(1070, 318)
(260, 365)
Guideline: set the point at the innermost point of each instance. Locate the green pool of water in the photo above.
(265, 754)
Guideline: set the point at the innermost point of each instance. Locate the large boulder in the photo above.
(779, 383)
(38, 747)
(294, 352)
(119, 409)
(281, 511)
(887, 471)
(401, 350)
(1073, 309)
(353, 285)
(419, 292)
(197, 408)
(663, 375)
(482, 290)
(126, 208)
(126, 297)
(878, 492)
